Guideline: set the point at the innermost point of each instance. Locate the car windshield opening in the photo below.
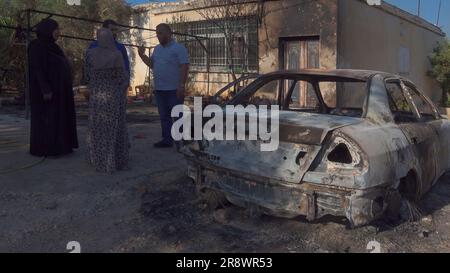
(339, 97)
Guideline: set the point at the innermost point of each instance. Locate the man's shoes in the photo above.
(162, 144)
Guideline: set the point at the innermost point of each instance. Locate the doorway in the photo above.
(300, 53)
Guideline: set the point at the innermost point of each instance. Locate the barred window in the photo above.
(244, 49)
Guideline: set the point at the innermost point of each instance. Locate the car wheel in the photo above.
(402, 203)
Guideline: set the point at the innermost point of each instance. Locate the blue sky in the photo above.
(428, 9)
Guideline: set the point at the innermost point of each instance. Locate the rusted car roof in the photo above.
(362, 75)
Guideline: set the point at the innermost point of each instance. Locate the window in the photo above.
(312, 52)
(284, 91)
(400, 107)
(294, 102)
(404, 60)
(424, 108)
(301, 53)
(266, 94)
(244, 48)
(397, 101)
(345, 98)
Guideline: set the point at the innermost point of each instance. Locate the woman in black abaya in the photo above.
(53, 118)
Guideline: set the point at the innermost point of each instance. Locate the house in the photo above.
(269, 35)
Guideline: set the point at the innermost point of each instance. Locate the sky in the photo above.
(428, 10)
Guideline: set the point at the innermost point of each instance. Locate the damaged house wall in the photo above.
(387, 39)
(350, 33)
(175, 13)
(277, 20)
(298, 19)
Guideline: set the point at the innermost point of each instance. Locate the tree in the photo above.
(440, 61)
(13, 55)
(227, 16)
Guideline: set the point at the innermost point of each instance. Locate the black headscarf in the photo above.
(45, 31)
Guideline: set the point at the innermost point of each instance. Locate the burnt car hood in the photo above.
(301, 136)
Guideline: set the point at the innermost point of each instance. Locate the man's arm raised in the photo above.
(146, 59)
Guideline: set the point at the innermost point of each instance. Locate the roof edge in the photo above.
(181, 6)
(403, 14)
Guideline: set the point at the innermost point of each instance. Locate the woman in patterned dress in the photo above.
(107, 138)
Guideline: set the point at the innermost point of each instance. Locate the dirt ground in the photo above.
(153, 206)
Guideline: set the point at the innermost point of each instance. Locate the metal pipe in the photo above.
(418, 8)
(205, 48)
(439, 13)
(70, 37)
(101, 22)
(27, 68)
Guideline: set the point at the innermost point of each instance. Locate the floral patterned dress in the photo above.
(107, 138)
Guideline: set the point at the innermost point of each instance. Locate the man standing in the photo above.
(170, 65)
(112, 25)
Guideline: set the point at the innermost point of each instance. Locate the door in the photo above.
(298, 54)
(420, 134)
(430, 115)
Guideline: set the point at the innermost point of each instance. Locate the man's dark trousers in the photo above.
(166, 100)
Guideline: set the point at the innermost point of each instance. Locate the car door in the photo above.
(430, 115)
(420, 134)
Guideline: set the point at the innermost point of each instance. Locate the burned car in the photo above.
(225, 93)
(353, 143)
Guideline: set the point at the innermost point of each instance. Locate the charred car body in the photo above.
(353, 143)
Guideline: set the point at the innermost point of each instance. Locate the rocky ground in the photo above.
(153, 207)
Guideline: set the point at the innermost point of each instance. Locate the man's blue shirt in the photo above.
(166, 65)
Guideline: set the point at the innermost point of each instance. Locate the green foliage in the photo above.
(6, 35)
(12, 55)
(447, 104)
(440, 61)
